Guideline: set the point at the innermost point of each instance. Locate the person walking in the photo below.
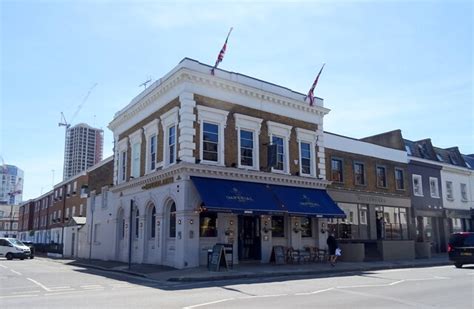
(332, 246)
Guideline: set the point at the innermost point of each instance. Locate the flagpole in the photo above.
(222, 51)
(310, 92)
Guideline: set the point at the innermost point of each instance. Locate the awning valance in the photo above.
(248, 197)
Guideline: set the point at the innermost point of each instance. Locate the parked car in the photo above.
(30, 245)
(13, 248)
(461, 248)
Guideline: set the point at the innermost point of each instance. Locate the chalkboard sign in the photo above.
(278, 255)
(218, 258)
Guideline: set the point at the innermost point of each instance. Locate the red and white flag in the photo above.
(310, 94)
(220, 57)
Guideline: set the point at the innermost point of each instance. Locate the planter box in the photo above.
(352, 252)
(423, 250)
(397, 249)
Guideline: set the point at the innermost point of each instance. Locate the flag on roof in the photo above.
(310, 94)
(220, 57)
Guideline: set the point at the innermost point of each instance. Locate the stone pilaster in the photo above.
(186, 127)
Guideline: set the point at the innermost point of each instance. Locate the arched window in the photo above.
(137, 219)
(153, 222)
(173, 220)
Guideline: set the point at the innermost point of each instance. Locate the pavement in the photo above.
(250, 270)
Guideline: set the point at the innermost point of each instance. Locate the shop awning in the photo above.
(237, 196)
(307, 202)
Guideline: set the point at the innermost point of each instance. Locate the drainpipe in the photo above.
(92, 201)
(130, 236)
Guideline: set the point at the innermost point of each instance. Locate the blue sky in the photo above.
(389, 65)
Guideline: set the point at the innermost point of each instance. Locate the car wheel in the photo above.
(32, 257)
(9, 256)
(22, 258)
(458, 265)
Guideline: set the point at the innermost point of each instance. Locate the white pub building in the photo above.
(201, 159)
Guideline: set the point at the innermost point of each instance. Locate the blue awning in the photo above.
(307, 202)
(237, 196)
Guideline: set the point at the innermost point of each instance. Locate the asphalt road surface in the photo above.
(43, 283)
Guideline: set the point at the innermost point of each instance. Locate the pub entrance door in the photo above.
(249, 238)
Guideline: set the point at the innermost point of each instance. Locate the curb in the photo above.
(305, 272)
(109, 269)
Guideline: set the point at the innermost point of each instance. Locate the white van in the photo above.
(13, 248)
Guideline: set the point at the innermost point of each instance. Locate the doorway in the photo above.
(249, 238)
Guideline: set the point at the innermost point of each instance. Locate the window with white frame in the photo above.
(169, 121)
(212, 123)
(280, 135)
(73, 211)
(464, 192)
(248, 132)
(151, 137)
(135, 145)
(449, 190)
(210, 142)
(434, 191)
(81, 209)
(74, 187)
(417, 185)
(307, 144)
(68, 189)
(122, 160)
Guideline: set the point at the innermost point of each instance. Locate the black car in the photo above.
(461, 248)
(30, 245)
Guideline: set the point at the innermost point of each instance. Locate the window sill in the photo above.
(280, 172)
(420, 195)
(450, 199)
(211, 163)
(464, 201)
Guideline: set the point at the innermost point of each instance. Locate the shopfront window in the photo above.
(278, 226)
(354, 226)
(208, 224)
(392, 223)
(306, 230)
(457, 225)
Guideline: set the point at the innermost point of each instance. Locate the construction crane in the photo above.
(63, 122)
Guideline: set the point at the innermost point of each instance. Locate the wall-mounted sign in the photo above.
(158, 183)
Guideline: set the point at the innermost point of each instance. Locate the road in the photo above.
(43, 283)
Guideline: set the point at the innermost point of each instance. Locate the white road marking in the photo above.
(314, 292)
(91, 286)
(263, 296)
(15, 272)
(209, 303)
(60, 287)
(3, 266)
(39, 284)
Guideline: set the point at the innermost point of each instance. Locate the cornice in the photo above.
(186, 75)
(185, 170)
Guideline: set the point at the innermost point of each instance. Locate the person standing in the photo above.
(332, 246)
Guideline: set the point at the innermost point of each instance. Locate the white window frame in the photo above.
(136, 149)
(74, 187)
(81, 210)
(151, 129)
(434, 194)
(282, 131)
(420, 181)
(308, 137)
(251, 124)
(449, 190)
(122, 170)
(219, 118)
(463, 198)
(169, 119)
